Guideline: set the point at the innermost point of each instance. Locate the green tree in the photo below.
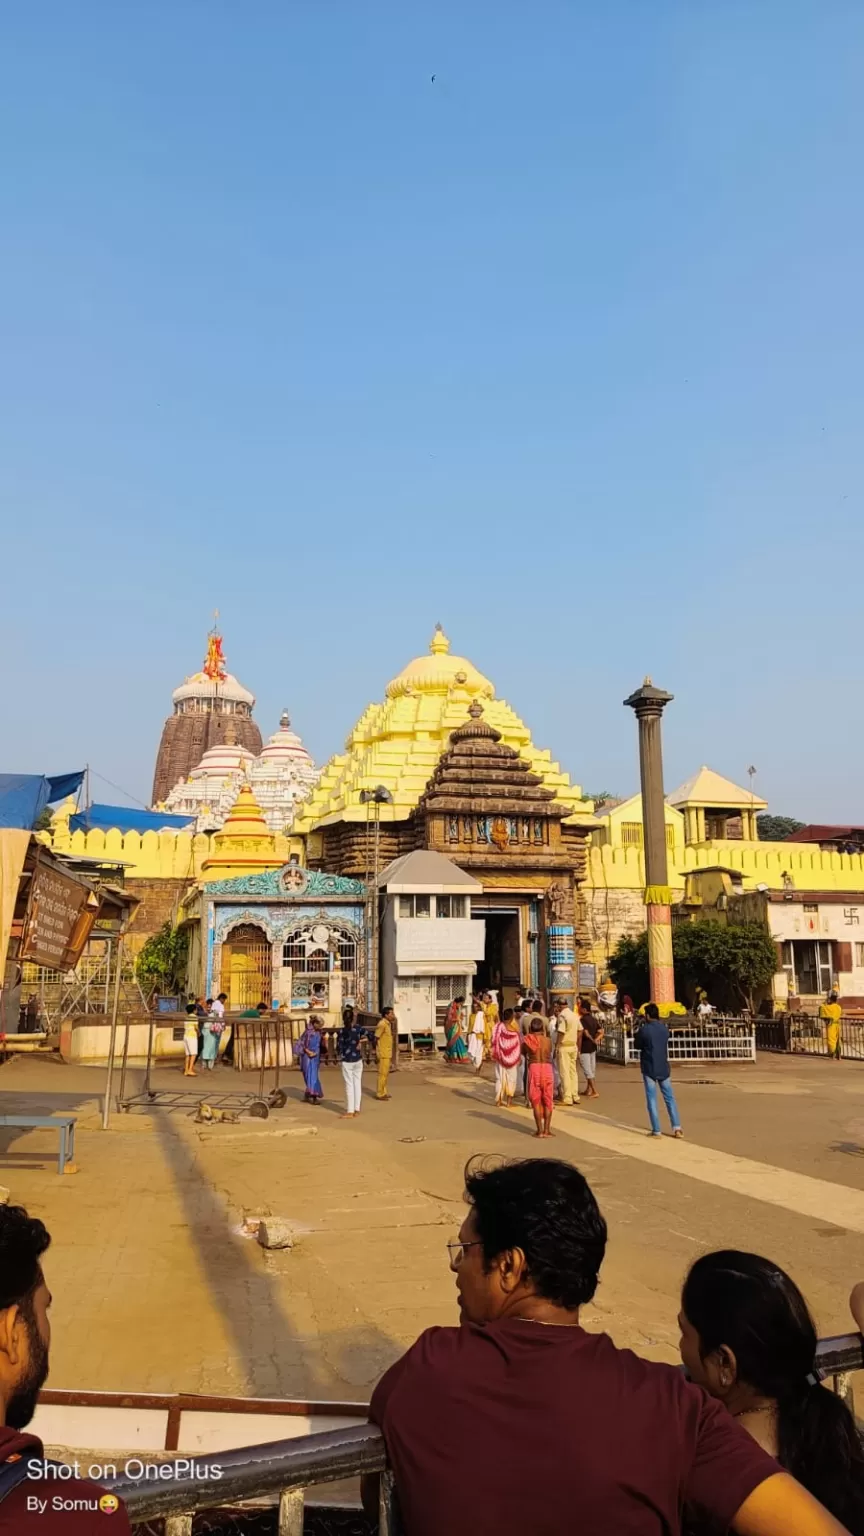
(732, 961)
(776, 829)
(600, 798)
(628, 967)
(162, 962)
(43, 821)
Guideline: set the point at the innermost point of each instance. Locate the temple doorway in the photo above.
(247, 967)
(500, 969)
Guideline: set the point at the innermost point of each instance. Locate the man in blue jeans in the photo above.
(652, 1041)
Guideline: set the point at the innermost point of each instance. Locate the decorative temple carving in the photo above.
(485, 801)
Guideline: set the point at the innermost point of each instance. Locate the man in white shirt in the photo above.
(568, 1035)
(219, 1005)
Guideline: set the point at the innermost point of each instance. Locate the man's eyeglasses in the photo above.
(457, 1251)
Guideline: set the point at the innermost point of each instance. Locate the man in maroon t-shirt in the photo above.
(32, 1498)
(485, 1423)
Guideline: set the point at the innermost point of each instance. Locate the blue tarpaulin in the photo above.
(103, 817)
(24, 795)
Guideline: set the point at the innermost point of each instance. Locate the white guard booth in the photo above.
(430, 943)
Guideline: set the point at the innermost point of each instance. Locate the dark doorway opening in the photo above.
(500, 966)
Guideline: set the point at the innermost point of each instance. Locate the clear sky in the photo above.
(562, 348)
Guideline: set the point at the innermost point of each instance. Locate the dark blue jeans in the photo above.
(651, 1086)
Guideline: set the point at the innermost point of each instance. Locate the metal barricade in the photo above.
(805, 1034)
(718, 1039)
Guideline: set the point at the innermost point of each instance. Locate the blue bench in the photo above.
(65, 1124)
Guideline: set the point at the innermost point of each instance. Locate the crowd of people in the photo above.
(745, 1438)
(204, 1027)
(352, 1043)
(535, 1054)
(206, 1024)
(538, 1056)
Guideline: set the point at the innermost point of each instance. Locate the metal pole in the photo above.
(118, 966)
(376, 993)
(149, 1053)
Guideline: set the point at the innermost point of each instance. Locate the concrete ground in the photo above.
(156, 1289)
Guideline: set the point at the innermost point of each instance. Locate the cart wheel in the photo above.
(259, 1110)
(278, 1099)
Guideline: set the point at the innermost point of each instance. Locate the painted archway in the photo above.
(247, 967)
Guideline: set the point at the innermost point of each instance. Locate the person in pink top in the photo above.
(506, 1054)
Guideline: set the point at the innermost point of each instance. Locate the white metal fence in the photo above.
(721, 1040)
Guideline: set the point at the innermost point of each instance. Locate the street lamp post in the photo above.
(376, 797)
(648, 704)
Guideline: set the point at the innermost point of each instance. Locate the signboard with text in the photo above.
(59, 919)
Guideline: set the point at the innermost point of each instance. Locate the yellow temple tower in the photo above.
(245, 845)
(397, 744)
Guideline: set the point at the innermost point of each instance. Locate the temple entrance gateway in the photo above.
(247, 967)
(501, 967)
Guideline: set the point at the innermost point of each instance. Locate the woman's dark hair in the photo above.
(23, 1240)
(506, 1015)
(752, 1306)
(546, 1208)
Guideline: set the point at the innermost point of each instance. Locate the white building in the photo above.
(430, 943)
(282, 776)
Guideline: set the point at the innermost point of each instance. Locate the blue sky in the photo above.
(562, 349)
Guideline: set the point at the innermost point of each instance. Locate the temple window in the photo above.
(295, 955)
(449, 906)
(631, 835)
(414, 906)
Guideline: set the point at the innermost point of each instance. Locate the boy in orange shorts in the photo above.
(541, 1078)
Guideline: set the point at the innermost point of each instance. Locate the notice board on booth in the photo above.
(60, 914)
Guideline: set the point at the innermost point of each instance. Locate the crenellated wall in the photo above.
(149, 855)
(610, 897)
(615, 879)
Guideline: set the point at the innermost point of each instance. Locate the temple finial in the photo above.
(475, 709)
(440, 644)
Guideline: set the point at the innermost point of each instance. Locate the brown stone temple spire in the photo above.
(648, 703)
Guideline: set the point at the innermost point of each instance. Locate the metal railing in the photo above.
(286, 1469)
(283, 1470)
(803, 1034)
(720, 1038)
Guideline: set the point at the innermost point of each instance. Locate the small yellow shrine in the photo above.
(245, 845)
(398, 743)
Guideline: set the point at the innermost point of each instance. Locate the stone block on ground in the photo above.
(275, 1232)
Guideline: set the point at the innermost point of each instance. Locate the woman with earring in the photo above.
(748, 1339)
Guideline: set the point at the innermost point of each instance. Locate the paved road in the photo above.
(156, 1290)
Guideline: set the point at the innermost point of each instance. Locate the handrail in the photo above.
(287, 1467)
(255, 1470)
(844, 1352)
